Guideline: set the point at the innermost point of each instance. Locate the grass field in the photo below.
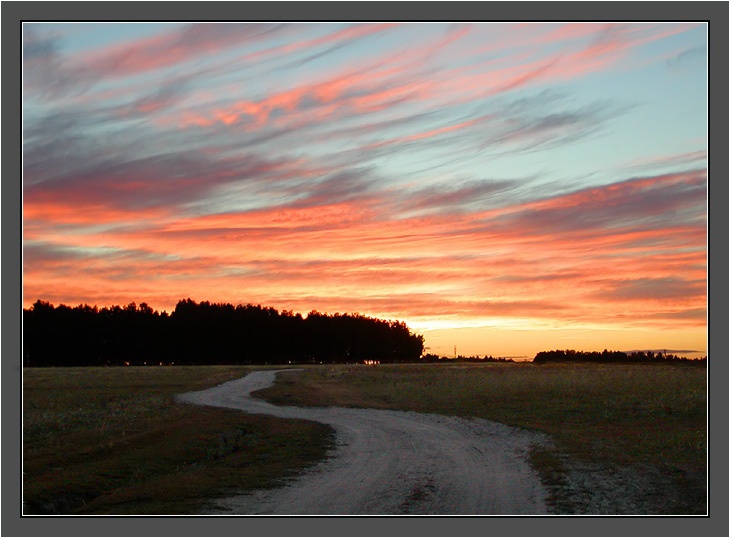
(646, 423)
(113, 441)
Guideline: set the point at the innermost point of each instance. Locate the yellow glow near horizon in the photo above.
(525, 343)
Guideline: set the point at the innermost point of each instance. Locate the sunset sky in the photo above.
(504, 188)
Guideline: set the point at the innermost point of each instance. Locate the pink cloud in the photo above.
(173, 47)
(385, 83)
(347, 34)
(356, 90)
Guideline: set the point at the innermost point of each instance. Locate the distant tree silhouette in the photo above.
(207, 333)
(431, 357)
(605, 356)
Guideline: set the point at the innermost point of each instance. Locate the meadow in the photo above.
(626, 438)
(114, 441)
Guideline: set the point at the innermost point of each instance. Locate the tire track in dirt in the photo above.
(391, 462)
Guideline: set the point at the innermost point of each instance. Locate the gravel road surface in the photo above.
(391, 462)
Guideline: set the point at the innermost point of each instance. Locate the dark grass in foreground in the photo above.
(113, 441)
(629, 439)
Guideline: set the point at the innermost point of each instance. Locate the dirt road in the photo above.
(392, 462)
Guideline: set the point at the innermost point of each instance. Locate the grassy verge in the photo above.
(113, 441)
(643, 426)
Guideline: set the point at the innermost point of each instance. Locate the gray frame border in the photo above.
(715, 525)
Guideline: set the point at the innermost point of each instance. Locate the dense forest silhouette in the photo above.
(208, 333)
(615, 357)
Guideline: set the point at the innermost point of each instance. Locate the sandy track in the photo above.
(392, 462)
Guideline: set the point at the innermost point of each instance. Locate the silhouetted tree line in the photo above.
(605, 356)
(207, 333)
(431, 357)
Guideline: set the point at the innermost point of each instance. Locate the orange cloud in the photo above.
(454, 265)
